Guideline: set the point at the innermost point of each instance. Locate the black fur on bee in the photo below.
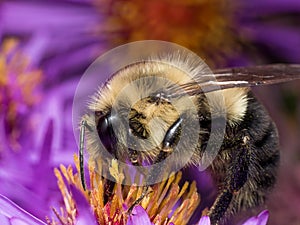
(245, 168)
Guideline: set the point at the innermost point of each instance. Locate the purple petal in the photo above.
(17, 221)
(204, 220)
(272, 36)
(47, 143)
(17, 215)
(36, 47)
(139, 216)
(261, 219)
(251, 221)
(258, 7)
(44, 16)
(85, 215)
(71, 59)
(4, 220)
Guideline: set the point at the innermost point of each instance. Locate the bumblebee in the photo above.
(168, 111)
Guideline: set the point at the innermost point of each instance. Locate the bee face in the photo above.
(150, 116)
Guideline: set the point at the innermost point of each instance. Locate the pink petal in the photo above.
(18, 221)
(204, 220)
(138, 217)
(261, 219)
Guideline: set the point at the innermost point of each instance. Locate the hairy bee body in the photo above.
(138, 102)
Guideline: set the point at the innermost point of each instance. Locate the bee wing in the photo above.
(258, 75)
(241, 77)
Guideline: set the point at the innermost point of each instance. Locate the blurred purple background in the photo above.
(47, 45)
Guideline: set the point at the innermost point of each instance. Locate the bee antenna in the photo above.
(83, 125)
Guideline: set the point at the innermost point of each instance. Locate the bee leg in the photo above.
(220, 206)
(237, 175)
(83, 125)
(168, 144)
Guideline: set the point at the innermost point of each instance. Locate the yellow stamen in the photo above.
(159, 203)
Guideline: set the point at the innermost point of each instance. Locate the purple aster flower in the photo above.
(266, 24)
(19, 86)
(60, 37)
(12, 214)
(159, 207)
(35, 126)
(35, 123)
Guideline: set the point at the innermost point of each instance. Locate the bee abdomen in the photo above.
(265, 160)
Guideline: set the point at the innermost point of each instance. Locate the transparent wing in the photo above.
(240, 77)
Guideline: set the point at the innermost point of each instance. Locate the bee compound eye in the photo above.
(106, 132)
